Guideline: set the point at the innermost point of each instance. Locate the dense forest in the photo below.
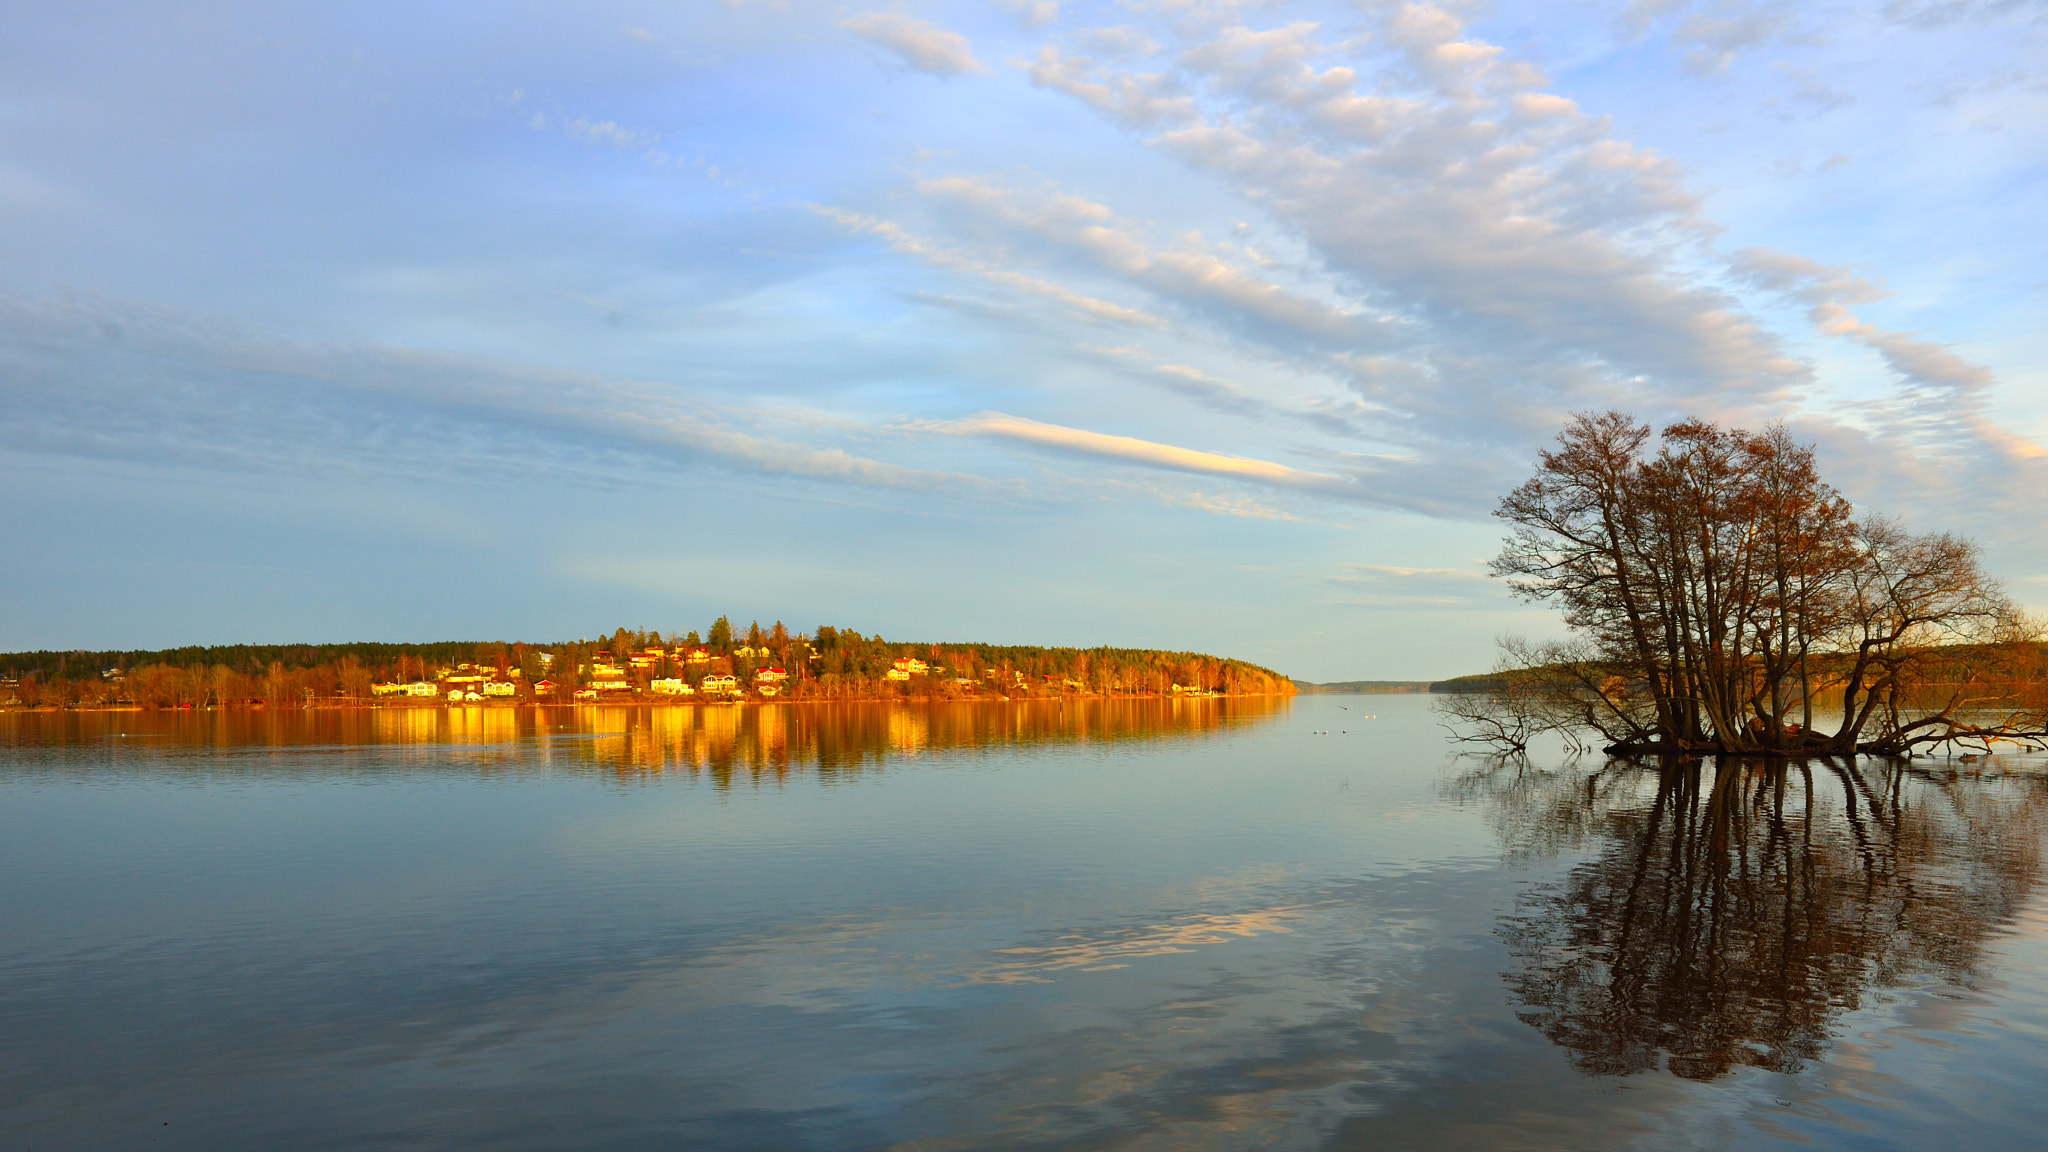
(724, 662)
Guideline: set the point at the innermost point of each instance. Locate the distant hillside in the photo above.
(1361, 687)
(1481, 682)
(1477, 682)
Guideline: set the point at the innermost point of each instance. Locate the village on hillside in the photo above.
(723, 666)
(655, 671)
(660, 673)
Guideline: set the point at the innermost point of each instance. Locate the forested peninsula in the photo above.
(724, 664)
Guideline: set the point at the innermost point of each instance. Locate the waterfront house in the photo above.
(670, 686)
(717, 684)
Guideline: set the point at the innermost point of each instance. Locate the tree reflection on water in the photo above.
(1729, 913)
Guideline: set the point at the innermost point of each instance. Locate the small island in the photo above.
(723, 665)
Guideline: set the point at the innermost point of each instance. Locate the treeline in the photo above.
(827, 663)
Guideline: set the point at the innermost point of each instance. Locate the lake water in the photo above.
(1133, 925)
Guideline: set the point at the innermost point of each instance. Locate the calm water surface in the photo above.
(1204, 924)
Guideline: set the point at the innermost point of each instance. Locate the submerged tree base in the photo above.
(1716, 591)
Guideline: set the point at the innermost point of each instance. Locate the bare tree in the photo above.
(1717, 587)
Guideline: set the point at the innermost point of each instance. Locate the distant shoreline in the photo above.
(1364, 687)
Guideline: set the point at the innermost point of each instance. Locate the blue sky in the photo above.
(1184, 324)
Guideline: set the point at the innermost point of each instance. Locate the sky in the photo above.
(1193, 324)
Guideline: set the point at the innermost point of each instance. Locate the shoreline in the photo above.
(505, 705)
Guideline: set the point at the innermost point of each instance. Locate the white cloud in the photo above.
(944, 257)
(1959, 450)
(922, 45)
(607, 132)
(1192, 273)
(1491, 256)
(1242, 507)
(1718, 33)
(1031, 13)
(1133, 450)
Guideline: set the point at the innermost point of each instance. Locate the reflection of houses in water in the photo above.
(408, 725)
(449, 726)
(910, 730)
(1729, 914)
(728, 743)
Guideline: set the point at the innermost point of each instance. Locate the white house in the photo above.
(670, 687)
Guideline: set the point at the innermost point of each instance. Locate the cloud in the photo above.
(1241, 507)
(1396, 586)
(1191, 274)
(1130, 449)
(1031, 13)
(922, 45)
(1935, 13)
(1141, 100)
(1812, 92)
(607, 132)
(102, 379)
(1721, 33)
(1392, 570)
(1491, 257)
(1959, 449)
(944, 257)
